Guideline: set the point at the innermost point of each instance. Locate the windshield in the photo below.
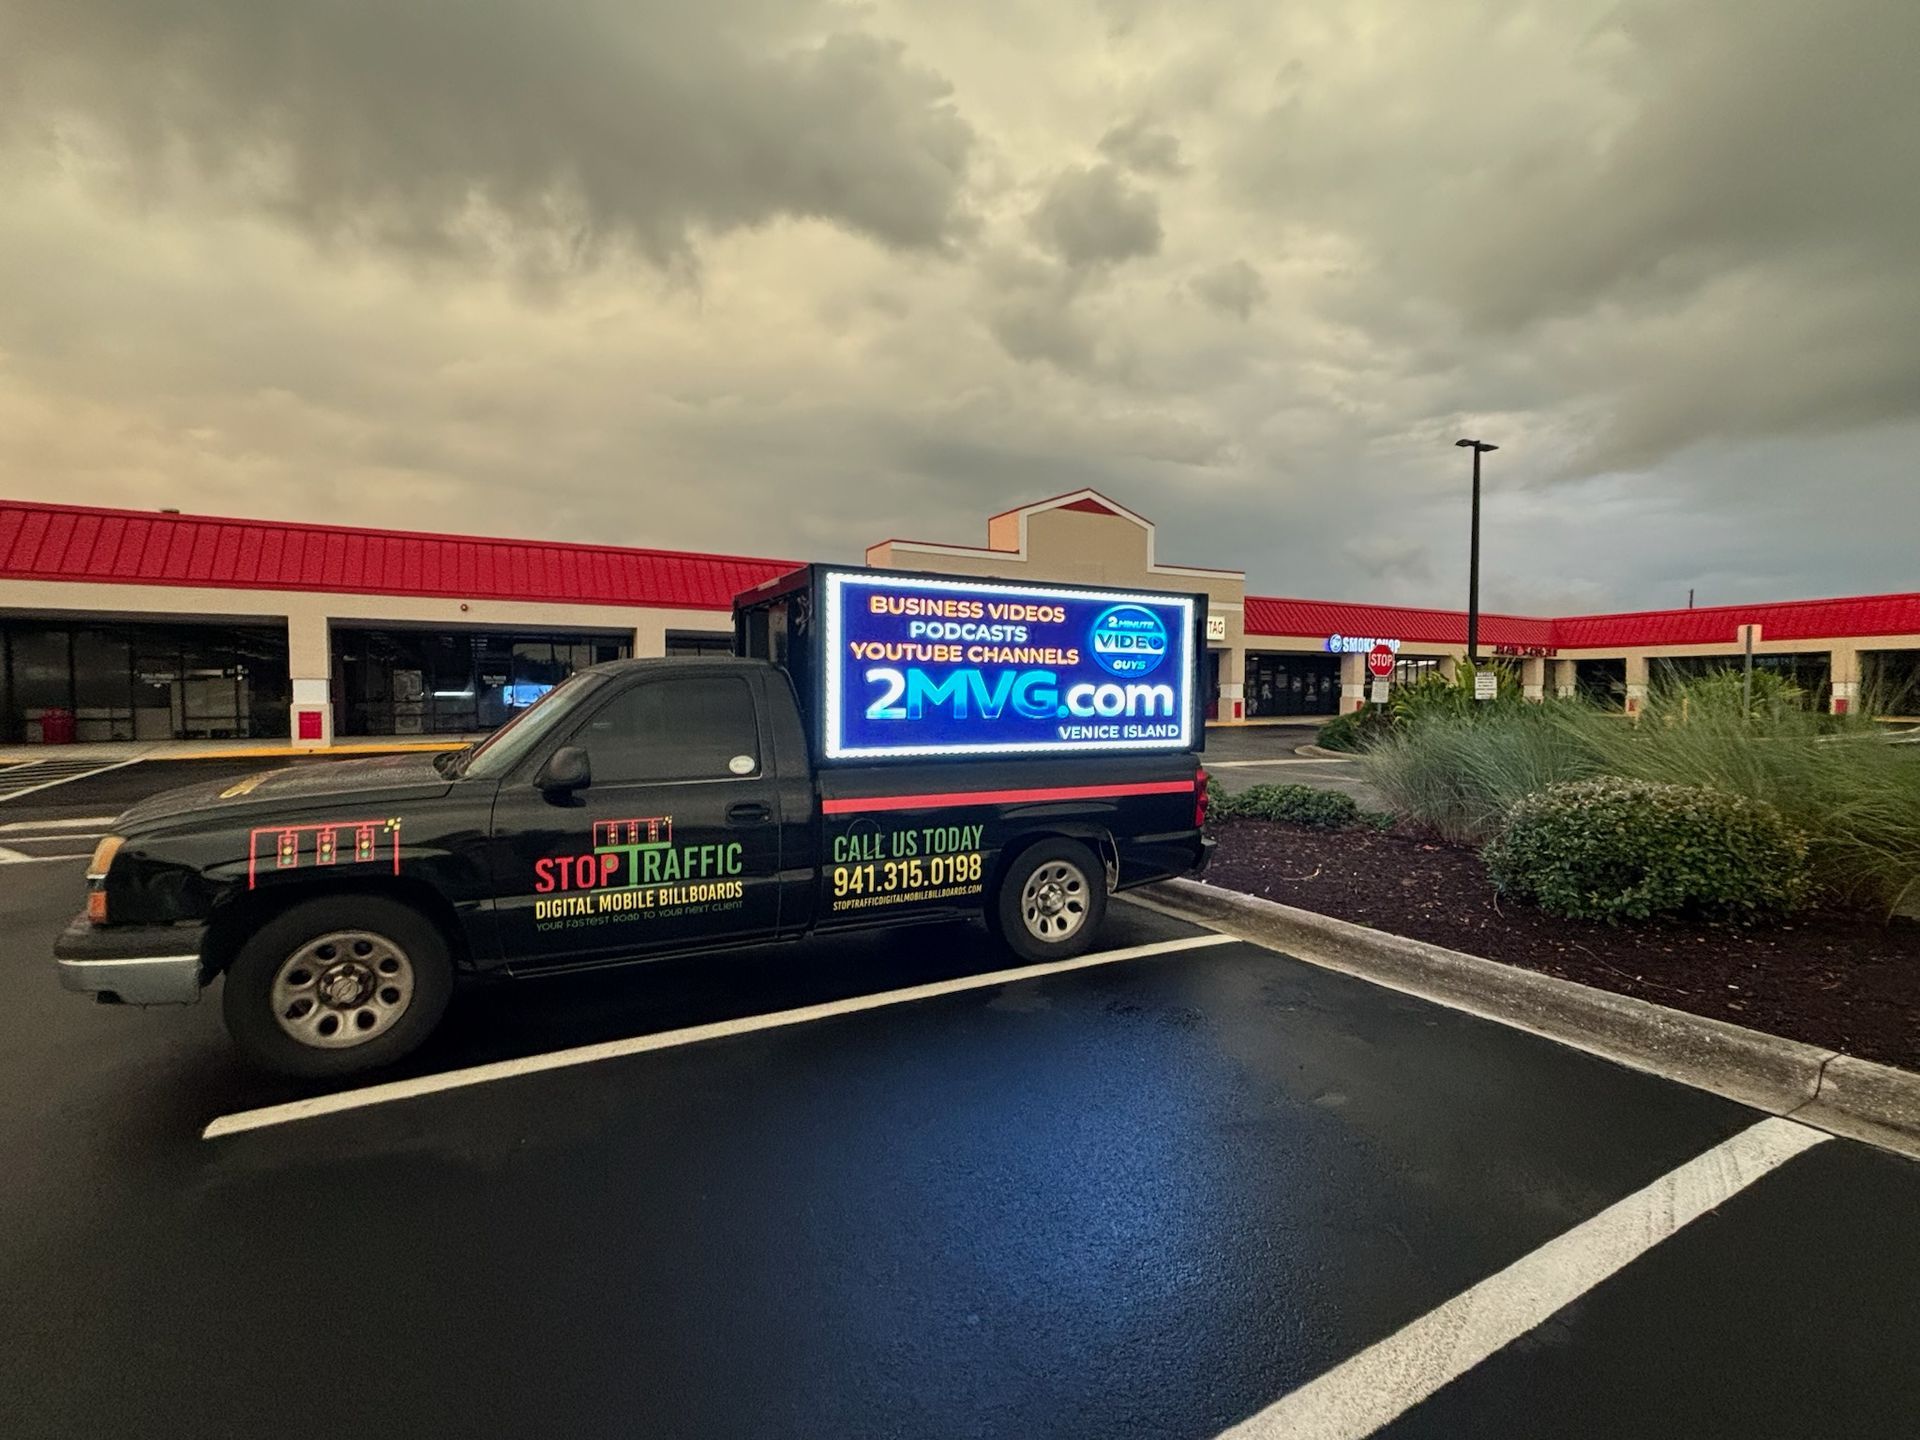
(494, 756)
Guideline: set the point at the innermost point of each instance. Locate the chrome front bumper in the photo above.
(137, 980)
(138, 965)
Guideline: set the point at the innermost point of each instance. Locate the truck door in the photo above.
(674, 844)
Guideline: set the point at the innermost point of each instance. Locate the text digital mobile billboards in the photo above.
(924, 666)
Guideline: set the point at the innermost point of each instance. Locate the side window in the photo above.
(697, 728)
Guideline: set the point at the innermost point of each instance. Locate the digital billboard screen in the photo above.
(922, 666)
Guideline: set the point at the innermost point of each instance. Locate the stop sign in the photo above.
(1380, 662)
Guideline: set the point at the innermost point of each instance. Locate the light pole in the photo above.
(1479, 448)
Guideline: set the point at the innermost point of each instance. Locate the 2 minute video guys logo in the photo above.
(1128, 640)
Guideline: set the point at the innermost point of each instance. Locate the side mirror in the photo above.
(566, 771)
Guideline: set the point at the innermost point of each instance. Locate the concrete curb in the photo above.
(1838, 1093)
(1320, 752)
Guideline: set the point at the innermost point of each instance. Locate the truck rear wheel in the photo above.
(337, 985)
(1051, 901)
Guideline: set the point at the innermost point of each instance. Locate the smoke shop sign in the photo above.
(1358, 644)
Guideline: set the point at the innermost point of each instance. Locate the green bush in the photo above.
(1613, 849)
(1293, 804)
(1356, 729)
(1852, 790)
(1434, 697)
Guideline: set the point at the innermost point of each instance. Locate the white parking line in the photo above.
(1384, 1381)
(98, 823)
(14, 857)
(1293, 760)
(668, 1039)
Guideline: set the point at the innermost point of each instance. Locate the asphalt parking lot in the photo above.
(1154, 1196)
(1264, 755)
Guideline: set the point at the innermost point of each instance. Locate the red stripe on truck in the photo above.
(945, 799)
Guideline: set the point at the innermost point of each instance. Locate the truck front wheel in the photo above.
(1051, 902)
(337, 985)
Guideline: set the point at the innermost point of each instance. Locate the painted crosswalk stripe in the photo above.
(1384, 1381)
(45, 774)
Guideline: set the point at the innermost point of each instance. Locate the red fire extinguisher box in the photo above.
(56, 727)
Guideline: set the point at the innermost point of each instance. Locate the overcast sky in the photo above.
(787, 277)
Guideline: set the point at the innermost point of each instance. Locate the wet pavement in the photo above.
(1142, 1198)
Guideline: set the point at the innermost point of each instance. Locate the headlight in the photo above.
(103, 854)
(97, 868)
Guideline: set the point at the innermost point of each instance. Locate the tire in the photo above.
(1051, 901)
(337, 986)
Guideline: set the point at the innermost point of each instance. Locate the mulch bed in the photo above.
(1836, 981)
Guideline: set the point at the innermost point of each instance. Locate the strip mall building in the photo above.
(131, 625)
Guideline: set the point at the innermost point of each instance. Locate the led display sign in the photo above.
(918, 666)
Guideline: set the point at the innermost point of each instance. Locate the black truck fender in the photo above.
(241, 913)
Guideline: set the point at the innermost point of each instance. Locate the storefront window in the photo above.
(1807, 673)
(1891, 682)
(699, 642)
(148, 682)
(1292, 685)
(407, 682)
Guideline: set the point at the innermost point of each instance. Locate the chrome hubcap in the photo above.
(342, 989)
(1053, 903)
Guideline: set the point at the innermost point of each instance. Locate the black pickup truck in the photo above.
(664, 807)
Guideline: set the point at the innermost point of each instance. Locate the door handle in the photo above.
(749, 812)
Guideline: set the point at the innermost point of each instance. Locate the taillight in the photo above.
(1200, 800)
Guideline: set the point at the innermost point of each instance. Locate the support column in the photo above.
(1353, 682)
(1533, 678)
(1566, 679)
(1843, 665)
(1449, 668)
(1233, 684)
(310, 668)
(1636, 684)
(649, 640)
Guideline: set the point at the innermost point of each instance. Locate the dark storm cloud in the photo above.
(549, 127)
(1704, 229)
(1091, 215)
(1233, 288)
(1143, 148)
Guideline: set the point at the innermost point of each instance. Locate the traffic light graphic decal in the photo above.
(632, 838)
(288, 846)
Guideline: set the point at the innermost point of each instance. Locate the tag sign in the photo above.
(1486, 685)
(1380, 689)
(1216, 627)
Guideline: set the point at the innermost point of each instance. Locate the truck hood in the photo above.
(288, 790)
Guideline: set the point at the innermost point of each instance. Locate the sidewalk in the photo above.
(122, 752)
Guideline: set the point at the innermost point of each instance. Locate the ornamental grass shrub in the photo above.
(1615, 849)
(1850, 787)
(1458, 776)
